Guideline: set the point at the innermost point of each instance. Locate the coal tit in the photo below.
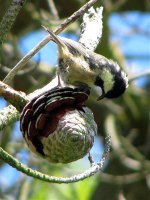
(80, 66)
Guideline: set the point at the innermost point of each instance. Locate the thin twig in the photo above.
(35, 174)
(53, 9)
(122, 146)
(139, 75)
(9, 18)
(33, 51)
(123, 179)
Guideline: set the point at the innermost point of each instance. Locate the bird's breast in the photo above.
(76, 70)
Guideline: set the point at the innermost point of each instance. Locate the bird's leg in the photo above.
(83, 87)
(59, 85)
(91, 159)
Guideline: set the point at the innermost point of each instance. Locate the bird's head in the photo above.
(113, 82)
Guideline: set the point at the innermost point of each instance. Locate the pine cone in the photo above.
(57, 126)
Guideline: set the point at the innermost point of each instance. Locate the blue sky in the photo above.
(131, 41)
(48, 54)
(132, 32)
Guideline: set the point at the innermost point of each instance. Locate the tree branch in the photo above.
(9, 18)
(7, 116)
(53, 9)
(17, 99)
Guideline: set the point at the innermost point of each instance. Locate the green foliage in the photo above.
(82, 190)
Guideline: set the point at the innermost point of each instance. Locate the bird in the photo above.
(79, 66)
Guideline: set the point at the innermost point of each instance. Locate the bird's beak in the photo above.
(98, 90)
(102, 96)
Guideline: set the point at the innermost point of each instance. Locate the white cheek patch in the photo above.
(108, 79)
